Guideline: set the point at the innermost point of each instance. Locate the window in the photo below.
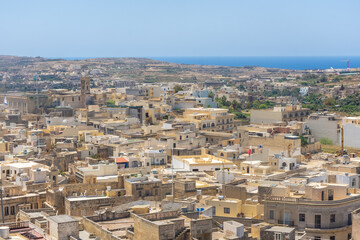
(331, 194)
(332, 237)
(119, 194)
(139, 193)
(349, 236)
(317, 238)
(6, 211)
(332, 218)
(272, 214)
(317, 221)
(12, 210)
(302, 217)
(278, 236)
(349, 219)
(226, 210)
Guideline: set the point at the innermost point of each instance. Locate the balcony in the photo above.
(327, 230)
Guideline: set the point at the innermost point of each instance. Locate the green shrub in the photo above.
(326, 141)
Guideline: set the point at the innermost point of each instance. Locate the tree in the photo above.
(329, 101)
(177, 88)
(323, 78)
(241, 87)
(223, 102)
(262, 106)
(256, 104)
(211, 95)
(304, 141)
(235, 105)
(110, 102)
(239, 115)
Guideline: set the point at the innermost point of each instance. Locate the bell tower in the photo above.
(85, 89)
(53, 175)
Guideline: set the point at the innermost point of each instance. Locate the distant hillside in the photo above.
(18, 71)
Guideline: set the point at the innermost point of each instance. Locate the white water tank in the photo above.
(4, 232)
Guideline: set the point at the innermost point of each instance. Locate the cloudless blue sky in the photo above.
(116, 28)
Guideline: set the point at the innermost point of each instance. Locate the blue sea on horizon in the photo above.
(296, 63)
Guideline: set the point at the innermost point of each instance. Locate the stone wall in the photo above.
(237, 192)
(201, 228)
(93, 227)
(144, 227)
(108, 215)
(356, 224)
(246, 221)
(87, 205)
(311, 148)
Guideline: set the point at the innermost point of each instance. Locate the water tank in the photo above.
(4, 232)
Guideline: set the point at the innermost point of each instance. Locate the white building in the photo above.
(202, 163)
(351, 127)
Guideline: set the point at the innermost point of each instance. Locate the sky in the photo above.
(152, 28)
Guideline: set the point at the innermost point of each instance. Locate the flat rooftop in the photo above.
(62, 219)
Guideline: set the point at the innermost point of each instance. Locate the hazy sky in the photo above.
(86, 28)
